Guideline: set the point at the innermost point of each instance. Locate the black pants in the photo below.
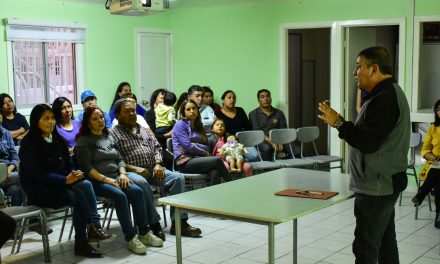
(213, 166)
(375, 236)
(7, 228)
(432, 182)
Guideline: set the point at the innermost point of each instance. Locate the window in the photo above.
(45, 61)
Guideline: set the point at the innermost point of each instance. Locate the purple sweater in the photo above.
(69, 135)
(184, 138)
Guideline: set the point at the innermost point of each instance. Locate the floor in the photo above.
(324, 237)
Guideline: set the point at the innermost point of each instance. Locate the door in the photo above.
(359, 38)
(154, 64)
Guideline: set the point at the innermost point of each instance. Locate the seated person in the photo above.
(13, 121)
(208, 99)
(9, 156)
(232, 152)
(66, 126)
(218, 139)
(139, 119)
(195, 93)
(98, 157)
(191, 152)
(143, 154)
(48, 177)
(7, 228)
(88, 98)
(266, 117)
(165, 114)
(123, 88)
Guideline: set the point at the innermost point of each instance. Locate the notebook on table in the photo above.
(305, 193)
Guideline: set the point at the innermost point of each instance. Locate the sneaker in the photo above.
(150, 239)
(136, 246)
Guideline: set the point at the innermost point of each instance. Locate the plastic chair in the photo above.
(285, 136)
(22, 214)
(253, 138)
(192, 180)
(309, 135)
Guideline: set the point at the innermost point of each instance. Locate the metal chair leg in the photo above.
(46, 246)
(66, 214)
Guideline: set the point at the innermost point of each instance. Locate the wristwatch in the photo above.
(339, 123)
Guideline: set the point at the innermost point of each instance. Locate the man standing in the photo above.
(195, 93)
(143, 154)
(266, 117)
(379, 142)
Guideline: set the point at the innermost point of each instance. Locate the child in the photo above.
(232, 152)
(216, 142)
(165, 114)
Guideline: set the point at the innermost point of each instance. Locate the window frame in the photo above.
(79, 58)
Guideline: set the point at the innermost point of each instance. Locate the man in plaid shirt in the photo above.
(143, 154)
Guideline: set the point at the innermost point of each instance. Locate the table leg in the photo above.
(295, 241)
(271, 243)
(178, 226)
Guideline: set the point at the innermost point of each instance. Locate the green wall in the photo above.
(110, 40)
(225, 46)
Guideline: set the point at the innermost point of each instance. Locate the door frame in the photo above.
(284, 63)
(151, 31)
(337, 64)
(338, 89)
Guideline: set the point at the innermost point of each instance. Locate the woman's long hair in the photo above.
(85, 129)
(198, 126)
(118, 90)
(154, 96)
(35, 135)
(57, 107)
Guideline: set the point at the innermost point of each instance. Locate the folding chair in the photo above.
(253, 138)
(192, 180)
(309, 135)
(22, 214)
(286, 136)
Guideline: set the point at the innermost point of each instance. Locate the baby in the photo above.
(232, 152)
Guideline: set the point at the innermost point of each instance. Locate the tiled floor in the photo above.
(324, 237)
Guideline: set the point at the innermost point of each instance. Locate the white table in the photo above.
(253, 200)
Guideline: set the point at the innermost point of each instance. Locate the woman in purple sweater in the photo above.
(191, 152)
(66, 126)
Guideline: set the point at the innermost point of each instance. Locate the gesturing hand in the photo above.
(328, 114)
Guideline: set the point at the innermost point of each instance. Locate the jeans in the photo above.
(152, 215)
(79, 196)
(121, 199)
(14, 189)
(85, 189)
(213, 166)
(174, 183)
(375, 236)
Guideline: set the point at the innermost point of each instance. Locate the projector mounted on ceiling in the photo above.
(137, 7)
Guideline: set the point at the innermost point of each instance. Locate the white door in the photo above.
(153, 64)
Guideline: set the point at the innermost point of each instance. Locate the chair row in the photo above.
(287, 137)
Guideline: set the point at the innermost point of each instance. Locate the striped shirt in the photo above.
(139, 148)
